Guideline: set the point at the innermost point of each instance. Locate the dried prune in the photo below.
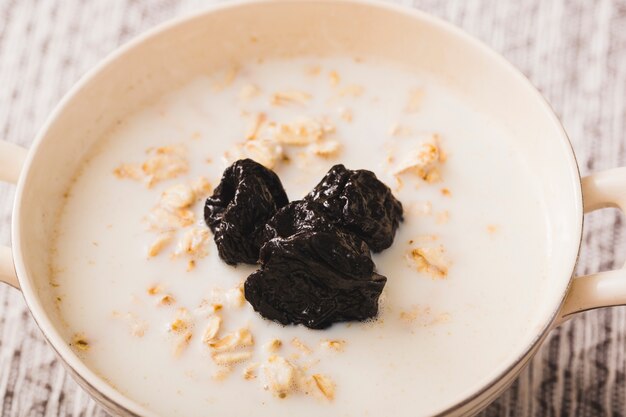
(360, 203)
(316, 266)
(246, 198)
(315, 279)
(297, 216)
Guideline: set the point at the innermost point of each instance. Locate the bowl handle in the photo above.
(12, 159)
(603, 289)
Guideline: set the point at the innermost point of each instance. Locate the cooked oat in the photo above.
(302, 131)
(240, 339)
(298, 344)
(253, 132)
(231, 358)
(194, 243)
(423, 161)
(212, 328)
(250, 371)
(159, 244)
(336, 345)
(167, 300)
(228, 78)
(273, 345)
(327, 149)
(280, 376)
(325, 385)
(79, 341)
(235, 297)
(162, 163)
(283, 98)
(430, 260)
(182, 343)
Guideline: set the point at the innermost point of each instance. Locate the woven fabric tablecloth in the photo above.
(574, 51)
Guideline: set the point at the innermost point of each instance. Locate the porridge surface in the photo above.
(149, 306)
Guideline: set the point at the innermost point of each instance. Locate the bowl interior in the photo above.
(167, 58)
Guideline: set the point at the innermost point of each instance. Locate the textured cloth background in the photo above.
(574, 51)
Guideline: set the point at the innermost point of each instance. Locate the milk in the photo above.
(435, 340)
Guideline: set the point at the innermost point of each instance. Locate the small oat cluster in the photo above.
(423, 161)
(414, 156)
(267, 141)
(230, 349)
(227, 348)
(430, 260)
(283, 377)
(411, 155)
(424, 253)
(276, 374)
(182, 327)
(173, 216)
(161, 163)
(409, 152)
(235, 349)
(428, 256)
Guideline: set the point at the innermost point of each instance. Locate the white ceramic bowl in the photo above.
(176, 52)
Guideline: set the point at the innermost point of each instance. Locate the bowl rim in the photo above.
(94, 383)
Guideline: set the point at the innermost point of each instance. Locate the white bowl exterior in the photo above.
(171, 55)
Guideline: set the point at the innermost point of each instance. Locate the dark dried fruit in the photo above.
(360, 203)
(315, 279)
(246, 198)
(297, 216)
(316, 266)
